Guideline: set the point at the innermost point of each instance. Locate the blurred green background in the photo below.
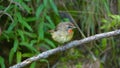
(25, 24)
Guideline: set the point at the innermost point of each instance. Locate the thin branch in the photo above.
(65, 47)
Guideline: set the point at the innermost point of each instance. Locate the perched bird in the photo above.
(63, 32)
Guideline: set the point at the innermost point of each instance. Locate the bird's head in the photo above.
(66, 26)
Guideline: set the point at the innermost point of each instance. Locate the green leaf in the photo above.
(32, 42)
(52, 25)
(41, 31)
(44, 46)
(39, 10)
(44, 60)
(11, 54)
(50, 43)
(15, 45)
(30, 19)
(2, 63)
(32, 35)
(45, 3)
(12, 25)
(7, 35)
(23, 22)
(104, 43)
(115, 16)
(19, 56)
(54, 7)
(12, 51)
(21, 34)
(106, 4)
(33, 65)
(104, 21)
(28, 9)
(27, 55)
(27, 45)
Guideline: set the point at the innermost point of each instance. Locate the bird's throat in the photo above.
(70, 31)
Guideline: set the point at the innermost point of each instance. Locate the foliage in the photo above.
(113, 22)
(2, 62)
(25, 25)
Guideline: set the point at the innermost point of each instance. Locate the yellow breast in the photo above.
(62, 36)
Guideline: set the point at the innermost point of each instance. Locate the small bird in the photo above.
(63, 32)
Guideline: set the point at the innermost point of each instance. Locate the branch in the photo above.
(65, 47)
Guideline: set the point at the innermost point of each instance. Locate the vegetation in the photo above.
(25, 23)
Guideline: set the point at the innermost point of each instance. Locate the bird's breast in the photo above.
(62, 36)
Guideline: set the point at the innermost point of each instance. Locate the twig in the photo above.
(65, 47)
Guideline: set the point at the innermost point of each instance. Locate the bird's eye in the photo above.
(69, 26)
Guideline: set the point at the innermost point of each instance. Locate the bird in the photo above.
(63, 32)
